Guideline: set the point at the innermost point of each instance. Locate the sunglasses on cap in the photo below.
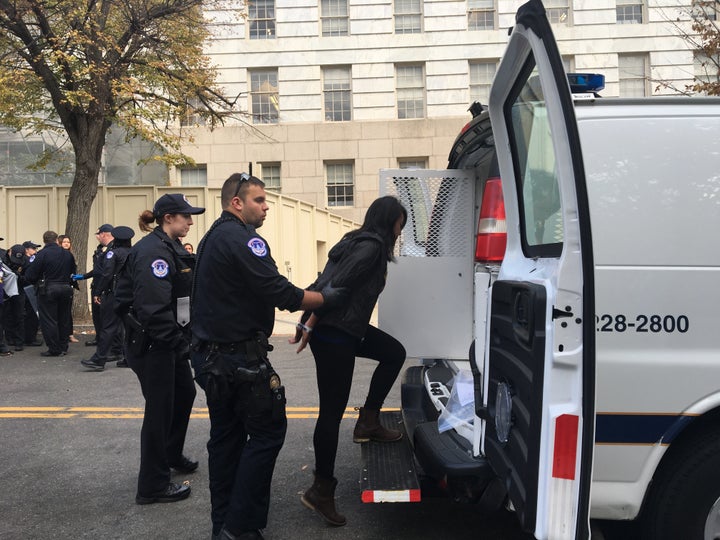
(244, 177)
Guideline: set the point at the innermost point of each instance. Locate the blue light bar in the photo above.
(586, 82)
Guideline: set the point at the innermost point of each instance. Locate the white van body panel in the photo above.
(645, 203)
(641, 186)
(616, 498)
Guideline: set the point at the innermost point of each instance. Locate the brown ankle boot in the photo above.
(368, 428)
(321, 498)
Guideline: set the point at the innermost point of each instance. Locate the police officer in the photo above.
(237, 288)
(50, 270)
(32, 324)
(111, 332)
(15, 305)
(30, 247)
(153, 295)
(103, 235)
(6, 321)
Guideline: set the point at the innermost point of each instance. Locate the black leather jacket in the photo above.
(360, 264)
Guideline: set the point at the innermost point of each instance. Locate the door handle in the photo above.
(523, 318)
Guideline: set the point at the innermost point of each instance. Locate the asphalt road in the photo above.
(69, 454)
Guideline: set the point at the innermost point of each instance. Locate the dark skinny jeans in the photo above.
(335, 353)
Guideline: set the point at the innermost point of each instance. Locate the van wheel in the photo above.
(684, 500)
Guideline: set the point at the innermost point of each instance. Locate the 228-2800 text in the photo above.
(643, 323)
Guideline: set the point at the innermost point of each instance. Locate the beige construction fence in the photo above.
(299, 234)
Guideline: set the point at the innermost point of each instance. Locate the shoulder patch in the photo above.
(160, 268)
(109, 255)
(32, 258)
(257, 246)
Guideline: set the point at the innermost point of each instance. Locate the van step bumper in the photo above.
(446, 457)
(388, 471)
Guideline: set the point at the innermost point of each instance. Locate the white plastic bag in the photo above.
(460, 408)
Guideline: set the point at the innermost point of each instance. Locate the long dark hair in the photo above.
(380, 219)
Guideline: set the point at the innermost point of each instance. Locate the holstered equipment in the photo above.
(137, 339)
(221, 377)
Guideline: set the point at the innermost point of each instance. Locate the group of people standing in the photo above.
(38, 291)
(161, 308)
(215, 310)
(18, 317)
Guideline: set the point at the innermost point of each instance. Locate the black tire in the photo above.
(685, 492)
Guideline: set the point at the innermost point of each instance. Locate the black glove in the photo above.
(332, 298)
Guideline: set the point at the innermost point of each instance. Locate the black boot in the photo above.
(369, 428)
(321, 498)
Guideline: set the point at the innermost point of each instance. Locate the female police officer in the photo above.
(153, 295)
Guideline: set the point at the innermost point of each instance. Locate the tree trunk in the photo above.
(88, 146)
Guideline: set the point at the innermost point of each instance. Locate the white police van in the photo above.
(562, 281)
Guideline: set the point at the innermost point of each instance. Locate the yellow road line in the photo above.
(137, 412)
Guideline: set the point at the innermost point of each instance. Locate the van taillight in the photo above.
(492, 230)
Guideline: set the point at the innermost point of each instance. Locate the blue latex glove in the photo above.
(77, 277)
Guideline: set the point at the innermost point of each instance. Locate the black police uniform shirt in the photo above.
(113, 261)
(158, 271)
(238, 285)
(52, 263)
(98, 257)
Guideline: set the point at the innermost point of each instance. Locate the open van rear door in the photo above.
(540, 367)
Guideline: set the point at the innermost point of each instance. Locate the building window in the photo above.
(704, 10)
(334, 17)
(190, 115)
(632, 71)
(706, 70)
(412, 163)
(340, 186)
(408, 16)
(337, 94)
(410, 92)
(481, 77)
(629, 12)
(481, 14)
(19, 153)
(261, 16)
(557, 11)
(271, 176)
(264, 96)
(193, 176)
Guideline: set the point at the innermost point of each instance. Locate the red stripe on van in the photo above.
(565, 451)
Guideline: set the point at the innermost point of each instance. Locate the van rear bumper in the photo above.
(446, 457)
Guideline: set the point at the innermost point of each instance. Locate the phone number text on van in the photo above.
(643, 323)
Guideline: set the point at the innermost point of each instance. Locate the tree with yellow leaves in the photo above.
(82, 66)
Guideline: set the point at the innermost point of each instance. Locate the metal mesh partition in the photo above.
(440, 212)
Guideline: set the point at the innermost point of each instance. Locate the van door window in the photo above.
(530, 134)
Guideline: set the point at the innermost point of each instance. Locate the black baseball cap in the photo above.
(122, 232)
(104, 228)
(30, 244)
(175, 203)
(17, 252)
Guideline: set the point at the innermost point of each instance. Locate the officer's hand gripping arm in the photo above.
(332, 297)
